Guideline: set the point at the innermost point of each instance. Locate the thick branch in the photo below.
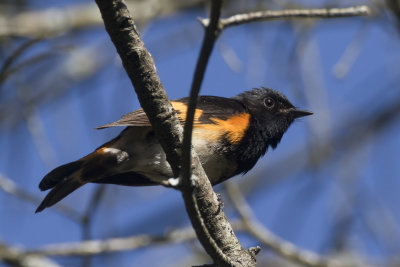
(139, 65)
(267, 15)
(140, 68)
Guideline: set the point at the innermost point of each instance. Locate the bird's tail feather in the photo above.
(69, 177)
(61, 190)
(58, 174)
(64, 180)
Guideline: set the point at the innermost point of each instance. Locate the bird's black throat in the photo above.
(255, 144)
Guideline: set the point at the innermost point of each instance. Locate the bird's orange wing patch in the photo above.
(232, 128)
(181, 109)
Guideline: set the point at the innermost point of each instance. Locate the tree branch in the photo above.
(53, 21)
(15, 55)
(111, 245)
(95, 247)
(88, 217)
(267, 15)
(281, 247)
(16, 258)
(139, 65)
(209, 221)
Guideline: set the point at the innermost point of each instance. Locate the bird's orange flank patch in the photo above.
(233, 128)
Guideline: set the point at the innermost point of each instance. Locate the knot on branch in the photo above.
(254, 251)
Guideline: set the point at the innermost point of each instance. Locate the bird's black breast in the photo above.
(253, 145)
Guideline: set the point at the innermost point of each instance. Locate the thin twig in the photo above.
(15, 55)
(351, 53)
(94, 203)
(91, 209)
(34, 124)
(283, 248)
(267, 15)
(30, 61)
(208, 224)
(211, 34)
(188, 182)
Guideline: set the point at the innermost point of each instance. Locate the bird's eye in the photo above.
(269, 103)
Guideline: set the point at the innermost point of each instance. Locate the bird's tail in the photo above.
(63, 181)
(92, 168)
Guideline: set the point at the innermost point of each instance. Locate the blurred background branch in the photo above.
(260, 232)
(266, 15)
(13, 257)
(53, 21)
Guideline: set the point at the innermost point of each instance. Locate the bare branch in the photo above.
(54, 20)
(351, 53)
(205, 212)
(16, 258)
(8, 71)
(15, 55)
(140, 68)
(267, 15)
(281, 247)
(34, 124)
(394, 7)
(89, 215)
(96, 247)
(91, 209)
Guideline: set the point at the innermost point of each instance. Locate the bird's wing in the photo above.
(208, 109)
(134, 118)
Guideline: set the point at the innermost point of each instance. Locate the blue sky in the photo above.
(358, 181)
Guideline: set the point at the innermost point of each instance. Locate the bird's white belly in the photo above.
(150, 160)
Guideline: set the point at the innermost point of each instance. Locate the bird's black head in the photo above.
(272, 112)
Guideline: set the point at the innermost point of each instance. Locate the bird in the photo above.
(229, 135)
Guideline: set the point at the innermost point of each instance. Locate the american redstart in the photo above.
(229, 136)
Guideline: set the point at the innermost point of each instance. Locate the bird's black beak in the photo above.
(297, 113)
